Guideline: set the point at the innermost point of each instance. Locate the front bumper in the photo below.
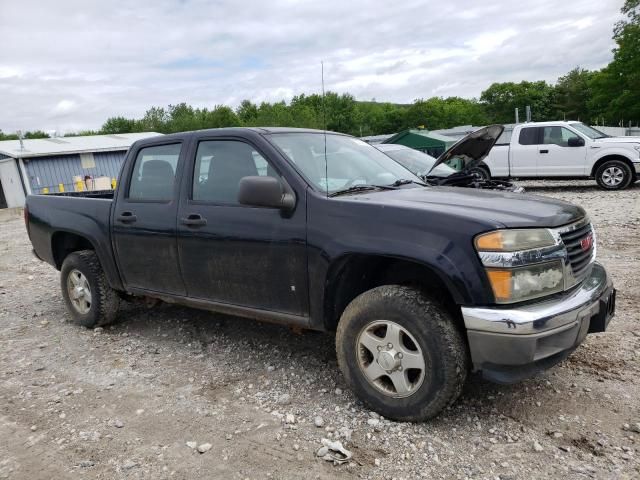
(508, 345)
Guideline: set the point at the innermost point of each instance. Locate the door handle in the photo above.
(126, 217)
(194, 220)
(544, 151)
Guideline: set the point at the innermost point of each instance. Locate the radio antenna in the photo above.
(324, 122)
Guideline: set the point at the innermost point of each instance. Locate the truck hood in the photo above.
(617, 140)
(473, 148)
(487, 206)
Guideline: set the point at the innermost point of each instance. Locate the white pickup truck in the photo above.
(564, 150)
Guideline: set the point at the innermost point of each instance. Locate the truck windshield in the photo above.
(349, 162)
(590, 132)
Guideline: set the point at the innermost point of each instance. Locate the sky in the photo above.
(68, 65)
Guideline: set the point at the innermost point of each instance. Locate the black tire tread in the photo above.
(104, 298)
(457, 364)
(629, 177)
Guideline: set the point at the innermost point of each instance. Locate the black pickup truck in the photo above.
(317, 230)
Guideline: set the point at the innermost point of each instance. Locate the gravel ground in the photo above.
(140, 398)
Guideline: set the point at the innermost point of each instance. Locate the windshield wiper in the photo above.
(361, 188)
(403, 181)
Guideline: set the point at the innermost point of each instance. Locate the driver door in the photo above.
(235, 254)
(556, 158)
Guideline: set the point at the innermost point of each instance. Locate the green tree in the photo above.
(501, 99)
(247, 113)
(156, 119)
(436, 113)
(616, 88)
(118, 125)
(8, 136)
(572, 95)
(220, 116)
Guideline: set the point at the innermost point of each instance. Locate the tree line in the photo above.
(609, 96)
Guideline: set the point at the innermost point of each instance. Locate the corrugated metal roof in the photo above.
(65, 145)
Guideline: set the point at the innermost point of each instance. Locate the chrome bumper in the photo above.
(510, 344)
(637, 167)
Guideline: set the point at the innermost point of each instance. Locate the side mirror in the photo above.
(264, 192)
(575, 142)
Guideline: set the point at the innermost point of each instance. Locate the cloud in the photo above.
(75, 63)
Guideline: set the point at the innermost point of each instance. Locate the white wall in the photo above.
(11, 185)
(614, 131)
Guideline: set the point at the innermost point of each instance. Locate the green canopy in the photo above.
(429, 142)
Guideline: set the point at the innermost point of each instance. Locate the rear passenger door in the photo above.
(523, 154)
(144, 220)
(236, 254)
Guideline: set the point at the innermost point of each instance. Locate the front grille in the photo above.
(579, 257)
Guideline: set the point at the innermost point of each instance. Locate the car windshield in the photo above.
(590, 132)
(419, 163)
(349, 162)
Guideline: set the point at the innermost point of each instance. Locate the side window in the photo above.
(529, 136)
(557, 136)
(219, 167)
(154, 173)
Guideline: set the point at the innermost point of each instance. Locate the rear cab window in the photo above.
(529, 136)
(154, 173)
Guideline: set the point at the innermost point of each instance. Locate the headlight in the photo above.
(514, 240)
(524, 283)
(521, 264)
(637, 147)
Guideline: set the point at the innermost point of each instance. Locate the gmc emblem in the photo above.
(586, 243)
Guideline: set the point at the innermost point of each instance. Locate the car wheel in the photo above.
(614, 175)
(482, 172)
(87, 294)
(401, 353)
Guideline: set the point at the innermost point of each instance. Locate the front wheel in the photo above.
(614, 175)
(401, 353)
(481, 172)
(87, 294)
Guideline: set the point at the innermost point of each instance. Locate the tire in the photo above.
(482, 171)
(614, 175)
(427, 331)
(81, 271)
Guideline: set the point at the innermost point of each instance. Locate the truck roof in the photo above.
(546, 124)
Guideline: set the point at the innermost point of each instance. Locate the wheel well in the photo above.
(64, 243)
(612, 157)
(356, 274)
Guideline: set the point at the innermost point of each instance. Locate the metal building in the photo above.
(49, 165)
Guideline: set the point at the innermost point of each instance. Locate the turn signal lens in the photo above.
(501, 284)
(490, 241)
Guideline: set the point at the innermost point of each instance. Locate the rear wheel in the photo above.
(614, 175)
(401, 353)
(87, 294)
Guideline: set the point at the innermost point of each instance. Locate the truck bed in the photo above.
(55, 219)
